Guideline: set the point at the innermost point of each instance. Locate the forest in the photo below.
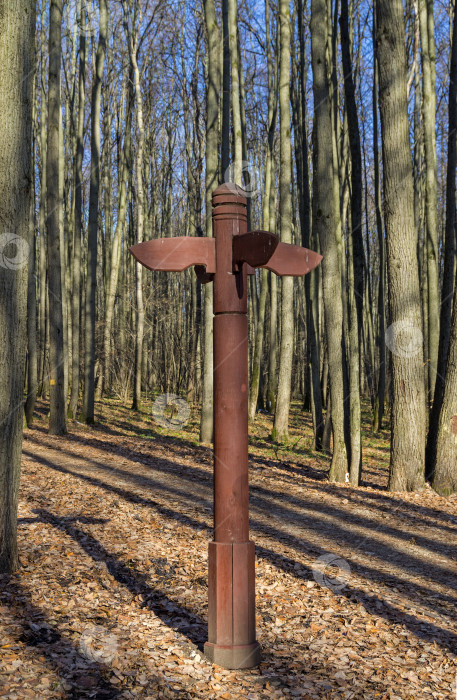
(338, 119)
(139, 110)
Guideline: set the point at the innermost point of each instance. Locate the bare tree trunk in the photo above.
(77, 233)
(356, 252)
(140, 222)
(17, 57)
(324, 227)
(57, 420)
(407, 456)
(63, 256)
(212, 116)
(381, 337)
(431, 222)
(437, 423)
(32, 367)
(237, 156)
(281, 419)
(123, 166)
(272, 108)
(225, 64)
(91, 279)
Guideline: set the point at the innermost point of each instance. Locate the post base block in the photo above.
(233, 657)
(231, 605)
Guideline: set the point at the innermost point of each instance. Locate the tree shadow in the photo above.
(87, 678)
(175, 616)
(372, 603)
(382, 501)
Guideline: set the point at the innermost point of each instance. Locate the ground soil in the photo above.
(356, 587)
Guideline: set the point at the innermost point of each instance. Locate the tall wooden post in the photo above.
(231, 560)
(226, 260)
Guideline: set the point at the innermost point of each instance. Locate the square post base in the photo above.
(231, 605)
(234, 656)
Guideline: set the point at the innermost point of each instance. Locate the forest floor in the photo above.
(110, 599)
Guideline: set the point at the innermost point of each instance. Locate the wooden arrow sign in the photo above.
(263, 249)
(176, 254)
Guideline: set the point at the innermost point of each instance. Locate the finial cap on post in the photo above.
(229, 193)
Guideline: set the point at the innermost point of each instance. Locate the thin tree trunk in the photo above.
(356, 252)
(381, 337)
(237, 155)
(123, 166)
(77, 233)
(431, 223)
(212, 116)
(32, 364)
(17, 58)
(140, 227)
(407, 456)
(91, 279)
(281, 420)
(57, 420)
(324, 227)
(448, 275)
(260, 329)
(226, 96)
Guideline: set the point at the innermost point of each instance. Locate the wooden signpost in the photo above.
(226, 260)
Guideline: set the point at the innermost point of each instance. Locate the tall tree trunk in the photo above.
(438, 415)
(324, 228)
(449, 260)
(17, 57)
(57, 420)
(123, 166)
(32, 359)
(237, 155)
(381, 336)
(407, 456)
(226, 95)
(260, 329)
(281, 419)
(140, 227)
(212, 116)
(42, 323)
(431, 222)
(77, 233)
(305, 219)
(356, 264)
(91, 279)
(63, 256)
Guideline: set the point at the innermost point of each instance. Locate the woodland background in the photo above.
(338, 116)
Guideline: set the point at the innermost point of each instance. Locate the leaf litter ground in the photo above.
(110, 600)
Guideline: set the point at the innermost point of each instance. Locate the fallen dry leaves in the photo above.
(110, 600)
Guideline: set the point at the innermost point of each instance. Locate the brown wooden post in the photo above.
(226, 260)
(231, 560)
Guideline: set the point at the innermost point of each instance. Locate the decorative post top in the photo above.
(229, 193)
